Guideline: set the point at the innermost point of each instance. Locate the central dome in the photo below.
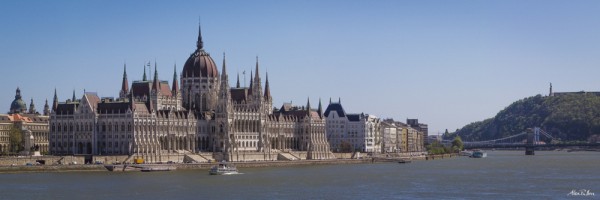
(200, 64)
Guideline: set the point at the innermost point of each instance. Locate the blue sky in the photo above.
(447, 63)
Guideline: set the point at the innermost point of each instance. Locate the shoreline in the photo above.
(201, 166)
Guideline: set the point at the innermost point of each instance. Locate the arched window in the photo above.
(123, 126)
(103, 127)
(128, 126)
(109, 127)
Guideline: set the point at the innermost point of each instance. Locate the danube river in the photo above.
(502, 175)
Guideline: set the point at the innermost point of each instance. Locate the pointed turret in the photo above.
(550, 94)
(267, 90)
(225, 92)
(125, 83)
(156, 83)
(320, 110)
(237, 85)
(74, 98)
(175, 88)
(31, 107)
(257, 75)
(144, 77)
(224, 70)
(46, 108)
(199, 43)
(55, 101)
(257, 83)
(251, 81)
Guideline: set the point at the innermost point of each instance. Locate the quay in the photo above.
(196, 166)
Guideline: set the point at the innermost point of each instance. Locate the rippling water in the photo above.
(502, 175)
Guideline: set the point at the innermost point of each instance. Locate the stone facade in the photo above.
(32, 125)
(360, 131)
(391, 138)
(154, 121)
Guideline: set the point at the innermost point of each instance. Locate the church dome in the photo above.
(200, 64)
(18, 105)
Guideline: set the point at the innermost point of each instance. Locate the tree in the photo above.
(457, 143)
(345, 147)
(15, 139)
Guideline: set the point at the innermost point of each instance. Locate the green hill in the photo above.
(570, 117)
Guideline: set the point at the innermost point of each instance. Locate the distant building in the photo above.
(408, 139)
(360, 131)
(391, 137)
(33, 125)
(421, 128)
(433, 138)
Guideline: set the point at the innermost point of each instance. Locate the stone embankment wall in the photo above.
(253, 156)
(343, 155)
(49, 160)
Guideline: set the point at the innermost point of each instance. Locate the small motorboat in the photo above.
(223, 168)
(404, 161)
(478, 154)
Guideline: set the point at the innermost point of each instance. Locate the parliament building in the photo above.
(199, 119)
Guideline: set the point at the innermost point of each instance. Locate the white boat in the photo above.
(478, 154)
(465, 153)
(223, 168)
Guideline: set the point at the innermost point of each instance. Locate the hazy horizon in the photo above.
(447, 63)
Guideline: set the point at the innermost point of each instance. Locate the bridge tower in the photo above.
(532, 137)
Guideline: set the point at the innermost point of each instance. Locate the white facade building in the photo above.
(351, 132)
(391, 137)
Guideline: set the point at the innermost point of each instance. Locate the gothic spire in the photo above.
(251, 80)
(55, 101)
(225, 90)
(124, 85)
(144, 78)
(74, 97)
(175, 88)
(199, 43)
(237, 85)
(267, 90)
(224, 70)
(257, 76)
(320, 109)
(155, 85)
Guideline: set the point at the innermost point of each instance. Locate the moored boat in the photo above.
(465, 153)
(223, 168)
(478, 154)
